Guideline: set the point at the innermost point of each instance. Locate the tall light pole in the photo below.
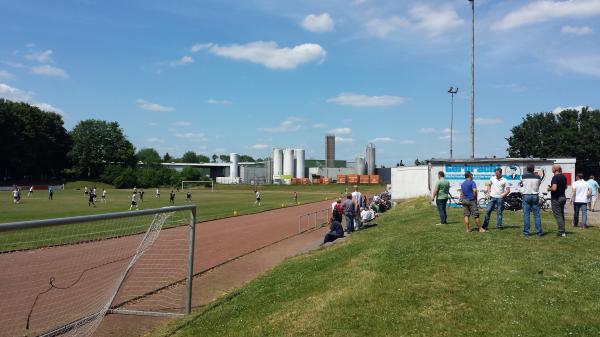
(473, 80)
(452, 91)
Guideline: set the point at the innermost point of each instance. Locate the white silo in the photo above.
(234, 169)
(361, 166)
(371, 159)
(277, 163)
(300, 163)
(288, 163)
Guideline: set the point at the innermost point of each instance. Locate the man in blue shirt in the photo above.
(468, 198)
(594, 186)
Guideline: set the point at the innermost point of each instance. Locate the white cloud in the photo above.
(5, 75)
(546, 10)
(182, 123)
(155, 140)
(182, 61)
(407, 142)
(435, 21)
(382, 27)
(584, 30)
(427, 130)
(48, 107)
(42, 57)
(260, 146)
(560, 109)
(48, 70)
(383, 140)
(192, 136)
(142, 104)
(319, 125)
(487, 121)
(357, 100)
(269, 54)
(14, 94)
(340, 131)
(584, 65)
(200, 46)
(343, 140)
(219, 102)
(318, 23)
(292, 124)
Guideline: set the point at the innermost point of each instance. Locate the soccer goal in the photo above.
(198, 183)
(60, 277)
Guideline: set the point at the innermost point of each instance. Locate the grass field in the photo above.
(72, 201)
(408, 277)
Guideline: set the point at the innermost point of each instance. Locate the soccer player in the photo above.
(92, 199)
(30, 191)
(133, 201)
(15, 196)
(103, 196)
(257, 202)
(188, 196)
(85, 191)
(172, 198)
(50, 192)
(295, 196)
(157, 193)
(94, 194)
(142, 195)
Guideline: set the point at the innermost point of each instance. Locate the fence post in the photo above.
(190, 276)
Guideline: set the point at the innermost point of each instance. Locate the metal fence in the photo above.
(313, 220)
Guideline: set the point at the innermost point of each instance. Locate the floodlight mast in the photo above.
(472, 79)
(452, 91)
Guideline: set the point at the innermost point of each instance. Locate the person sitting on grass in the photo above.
(367, 215)
(336, 230)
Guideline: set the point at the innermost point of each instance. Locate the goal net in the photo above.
(197, 184)
(60, 277)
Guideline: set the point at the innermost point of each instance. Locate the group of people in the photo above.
(91, 195)
(584, 194)
(357, 211)
(16, 192)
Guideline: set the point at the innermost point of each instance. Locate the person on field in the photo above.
(94, 194)
(257, 202)
(295, 197)
(133, 201)
(15, 193)
(349, 210)
(440, 196)
(579, 199)
(558, 199)
(497, 189)
(468, 198)
(157, 195)
(594, 187)
(50, 193)
(30, 191)
(188, 196)
(91, 199)
(86, 191)
(103, 196)
(531, 200)
(142, 195)
(172, 198)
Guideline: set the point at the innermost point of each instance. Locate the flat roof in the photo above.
(501, 160)
(210, 164)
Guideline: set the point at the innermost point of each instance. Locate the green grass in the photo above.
(408, 277)
(72, 202)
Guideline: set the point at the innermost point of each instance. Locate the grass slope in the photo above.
(408, 277)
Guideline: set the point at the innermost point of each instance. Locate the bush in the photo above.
(126, 179)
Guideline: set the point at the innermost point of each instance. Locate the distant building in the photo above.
(330, 151)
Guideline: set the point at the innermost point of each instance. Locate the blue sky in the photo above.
(244, 76)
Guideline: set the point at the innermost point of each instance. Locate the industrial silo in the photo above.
(234, 170)
(277, 163)
(288, 163)
(361, 165)
(371, 159)
(300, 163)
(330, 151)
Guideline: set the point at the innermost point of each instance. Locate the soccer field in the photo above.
(211, 205)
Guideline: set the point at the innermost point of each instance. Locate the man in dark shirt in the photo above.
(349, 211)
(468, 198)
(557, 189)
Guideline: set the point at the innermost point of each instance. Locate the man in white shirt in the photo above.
(531, 182)
(497, 189)
(357, 199)
(579, 199)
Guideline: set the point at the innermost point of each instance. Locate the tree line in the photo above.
(35, 146)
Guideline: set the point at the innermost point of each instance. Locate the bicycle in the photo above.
(545, 204)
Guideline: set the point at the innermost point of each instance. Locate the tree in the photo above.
(247, 159)
(148, 156)
(224, 158)
(191, 173)
(98, 143)
(568, 134)
(214, 158)
(418, 162)
(33, 143)
(189, 157)
(167, 158)
(203, 159)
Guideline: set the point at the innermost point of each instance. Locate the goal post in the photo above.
(62, 276)
(198, 182)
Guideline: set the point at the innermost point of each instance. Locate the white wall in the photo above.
(410, 182)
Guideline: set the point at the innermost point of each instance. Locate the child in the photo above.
(133, 201)
(103, 195)
(257, 202)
